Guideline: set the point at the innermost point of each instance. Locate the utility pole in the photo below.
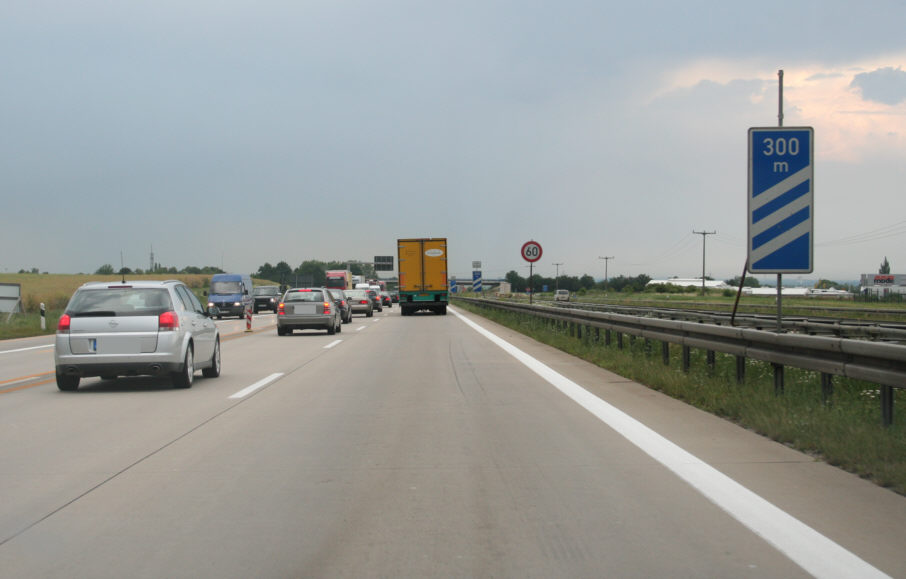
(703, 234)
(606, 261)
(557, 278)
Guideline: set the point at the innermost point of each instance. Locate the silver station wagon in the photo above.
(134, 329)
(308, 309)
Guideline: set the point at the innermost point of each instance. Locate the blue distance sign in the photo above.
(781, 200)
(476, 281)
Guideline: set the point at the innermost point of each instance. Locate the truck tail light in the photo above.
(167, 322)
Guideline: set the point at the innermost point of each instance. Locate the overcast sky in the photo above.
(236, 133)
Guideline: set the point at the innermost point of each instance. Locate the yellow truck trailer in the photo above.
(423, 281)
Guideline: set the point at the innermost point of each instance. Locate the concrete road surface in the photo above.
(411, 447)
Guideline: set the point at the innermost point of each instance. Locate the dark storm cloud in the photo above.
(885, 85)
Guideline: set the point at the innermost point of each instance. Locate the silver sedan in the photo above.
(308, 309)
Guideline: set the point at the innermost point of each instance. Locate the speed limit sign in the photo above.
(531, 251)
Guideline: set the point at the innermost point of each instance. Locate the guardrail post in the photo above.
(778, 378)
(827, 388)
(665, 353)
(579, 332)
(647, 347)
(711, 360)
(620, 340)
(606, 337)
(740, 369)
(597, 335)
(687, 358)
(887, 405)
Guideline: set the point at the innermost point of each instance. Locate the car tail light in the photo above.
(63, 324)
(326, 307)
(281, 309)
(167, 322)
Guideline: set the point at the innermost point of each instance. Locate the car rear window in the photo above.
(120, 301)
(305, 296)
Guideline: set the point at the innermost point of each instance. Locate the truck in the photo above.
(423, 283)
(339, 279)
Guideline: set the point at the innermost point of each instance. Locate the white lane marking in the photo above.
(807, 547)
(332, 344)
(360, 328)
(27, 349)
(257, 385)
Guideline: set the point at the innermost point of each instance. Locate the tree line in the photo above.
(309, 272)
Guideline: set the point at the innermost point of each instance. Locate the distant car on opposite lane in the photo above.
(267, 297)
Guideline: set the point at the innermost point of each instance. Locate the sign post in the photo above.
(531, 252)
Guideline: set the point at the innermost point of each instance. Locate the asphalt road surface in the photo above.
(423, 446)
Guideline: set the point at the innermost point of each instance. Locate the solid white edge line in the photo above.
(27, 349)
(257, 385)
(805, 546)
(332, 344)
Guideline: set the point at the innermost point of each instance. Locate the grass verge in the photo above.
(846, 431)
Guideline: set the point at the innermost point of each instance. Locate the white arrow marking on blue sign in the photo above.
(784, 212)
(779, 189)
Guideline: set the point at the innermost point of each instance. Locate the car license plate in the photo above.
(92, 345)
(305, 309)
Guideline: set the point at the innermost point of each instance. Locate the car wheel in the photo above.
(213, 370)
(67, 383)
(332, 328)
(281, 331)
(369, 313)
(183, 378)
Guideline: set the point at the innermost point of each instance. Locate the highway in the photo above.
(424, 446)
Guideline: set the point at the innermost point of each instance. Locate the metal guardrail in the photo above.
(857, 329)
(877, 362)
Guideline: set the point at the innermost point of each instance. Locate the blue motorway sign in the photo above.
(476, 281)
(781, 200)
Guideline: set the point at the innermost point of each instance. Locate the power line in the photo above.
(885, 232)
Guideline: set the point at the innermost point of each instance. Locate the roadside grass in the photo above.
(845, 431)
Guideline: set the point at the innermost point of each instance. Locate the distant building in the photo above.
(882, 285)
(694, 282)
(797, 292)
